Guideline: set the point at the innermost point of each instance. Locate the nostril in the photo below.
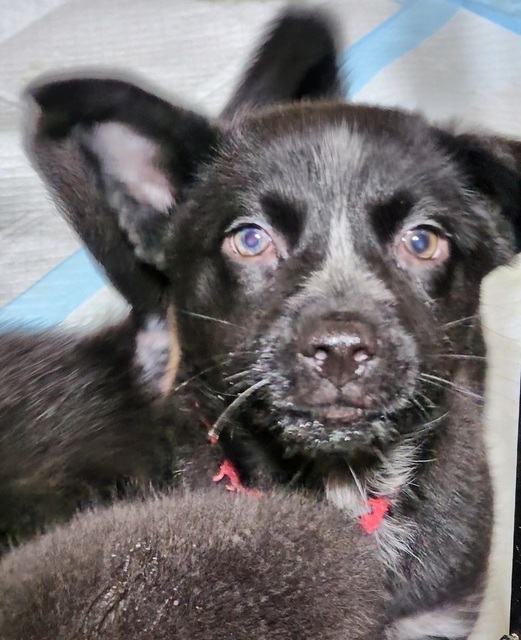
(321, 354)
(361, 355)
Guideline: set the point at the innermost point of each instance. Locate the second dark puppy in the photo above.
(199, 566)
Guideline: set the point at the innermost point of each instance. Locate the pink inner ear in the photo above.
(133, 160)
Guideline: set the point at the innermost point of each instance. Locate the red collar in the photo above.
(228, 470)
(378, 509)
(371, 521)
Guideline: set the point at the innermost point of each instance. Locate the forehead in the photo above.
(337, 159)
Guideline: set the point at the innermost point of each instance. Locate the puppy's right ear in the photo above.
(119, 159)
(296, 60)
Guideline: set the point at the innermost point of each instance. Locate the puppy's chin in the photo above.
(346, 431)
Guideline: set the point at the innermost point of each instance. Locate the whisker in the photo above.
(460, 320)
(230, 355)
(427, 425)
(460, 356)
(357, 482)
(183, 384)
(239, 374)
(217, 427)
(236, 388)
(429, 404)
(218, 359)
(201, 316)
(446, 384)
(418, 405)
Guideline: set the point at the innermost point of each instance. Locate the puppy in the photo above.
(322, 262)
(81, 419)
(198, 567)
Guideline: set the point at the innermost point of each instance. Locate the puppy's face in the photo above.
(328, 262)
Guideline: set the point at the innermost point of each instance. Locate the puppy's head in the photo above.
(324, 260)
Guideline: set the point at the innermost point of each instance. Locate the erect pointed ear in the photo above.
(119, 159)
(493, 167)
(296, 60)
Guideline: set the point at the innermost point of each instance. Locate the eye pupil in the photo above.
(251, 238)
(420, 241)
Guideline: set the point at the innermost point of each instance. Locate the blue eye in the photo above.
(251, 241)
(421, 243)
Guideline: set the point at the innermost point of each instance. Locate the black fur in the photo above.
(205, 566)
(297, 61)
(74, 424)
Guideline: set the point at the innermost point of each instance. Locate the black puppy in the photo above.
(322, 264)
(78, 425)
(196, 567)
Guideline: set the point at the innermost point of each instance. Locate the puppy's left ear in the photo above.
(119, 159)
(493, 166)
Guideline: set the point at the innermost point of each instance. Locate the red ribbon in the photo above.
(378, 509)
(228, 470)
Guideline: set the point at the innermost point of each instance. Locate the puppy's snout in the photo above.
(338, 350)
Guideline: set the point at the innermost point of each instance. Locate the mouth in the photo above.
(369, 423)
(346, 430)
(344, 414)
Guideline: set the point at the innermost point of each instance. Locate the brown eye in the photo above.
(423, 244)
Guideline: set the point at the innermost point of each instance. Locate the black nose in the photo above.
(339, 350)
